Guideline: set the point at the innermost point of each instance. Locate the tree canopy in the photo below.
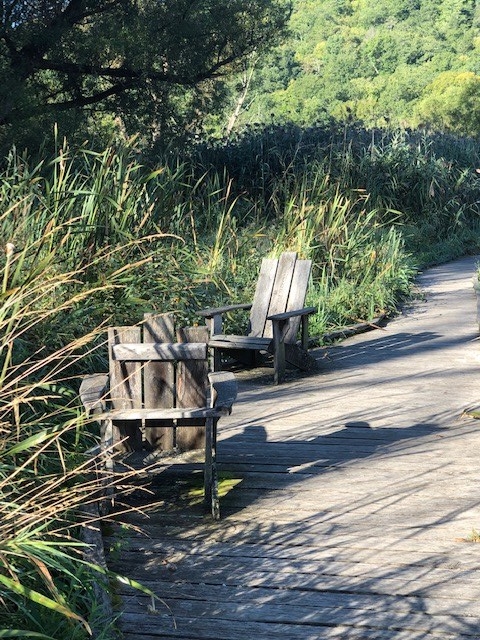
(124, 56)
(374, 62)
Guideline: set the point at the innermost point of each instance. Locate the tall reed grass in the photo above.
(431, 179)
(57, 269)
(45, 586)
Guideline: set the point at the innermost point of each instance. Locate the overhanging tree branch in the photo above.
(84, 101)
(60, 54)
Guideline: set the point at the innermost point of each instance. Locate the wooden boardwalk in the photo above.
(350, 497)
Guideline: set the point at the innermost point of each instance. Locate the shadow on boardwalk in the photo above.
(399, 345)
(288, 558)
(294, 460)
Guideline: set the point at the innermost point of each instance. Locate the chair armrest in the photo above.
(293, 314)
(93, 391)
(209, 313)
(224, 390)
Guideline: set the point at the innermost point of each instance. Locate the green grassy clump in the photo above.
(46, 586)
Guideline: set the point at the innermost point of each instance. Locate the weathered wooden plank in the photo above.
(224, 390)
(262, 297)
(159, 380)
(213, 311)
(165, 414)
(382, 536)
(125, 377)
(281, 288)
(298, 312)
(239, 342)
(354, 537)
(297, 295)
(397, 533)
(344, 546)
(93, 392)
(192, 387)
(168, 546)
(345, 600)
(125, 389)
(237, 573)
(355, 433)
(205, 628)
(267, 481)
(413, 576)
(313, 616)
(311, 449)
(144, 352)
(326, 633)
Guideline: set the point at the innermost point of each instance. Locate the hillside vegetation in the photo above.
(387, 63)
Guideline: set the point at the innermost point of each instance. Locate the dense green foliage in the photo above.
(117, 67)
(386, 63)
(123, 64)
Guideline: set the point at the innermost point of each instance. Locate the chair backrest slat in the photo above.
(159, 377)
(262, 297)
(281, 286)
(192, 373)
(192, 379)
(298, 293)
(125, 377)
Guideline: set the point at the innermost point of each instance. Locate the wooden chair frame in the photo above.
(140, 379)
(277, 315)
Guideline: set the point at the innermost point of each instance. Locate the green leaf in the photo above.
(124, 580)
(30, 442)
(472, 414)
(20, 633)
(39, 598)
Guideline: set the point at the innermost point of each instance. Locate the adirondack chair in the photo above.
(276, 316)
(158, 386)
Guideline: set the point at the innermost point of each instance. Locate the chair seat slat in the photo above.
(164, 414)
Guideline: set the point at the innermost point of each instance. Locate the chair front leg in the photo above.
(106, 457)
(215, 359)
(212, 502)
(304, 329)
(279, 363)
